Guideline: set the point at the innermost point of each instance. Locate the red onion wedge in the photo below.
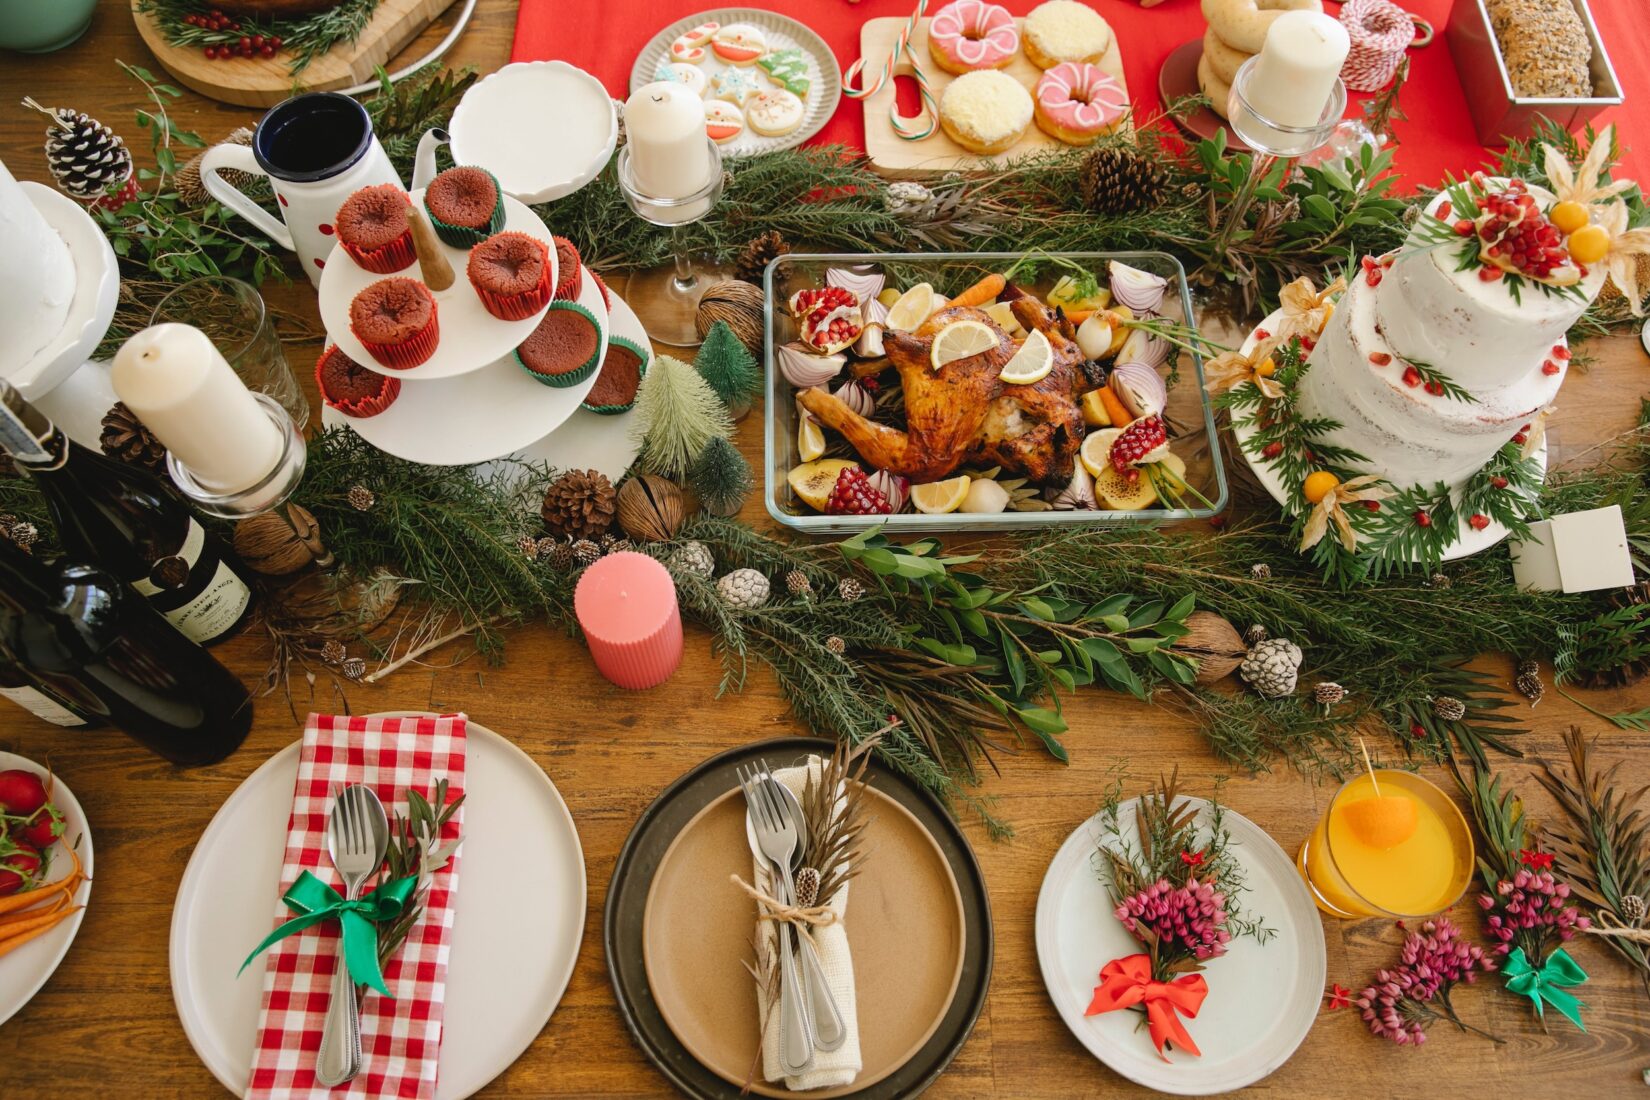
(1140, 290)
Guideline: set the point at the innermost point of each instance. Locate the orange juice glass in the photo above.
(1425, 873)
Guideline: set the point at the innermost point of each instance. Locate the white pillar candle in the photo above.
(176, 381)
(1295, 73)
(664, 127)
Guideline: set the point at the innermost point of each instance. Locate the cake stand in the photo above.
(476, 417)
(471, 338)
(97, 286)
(1469, 541)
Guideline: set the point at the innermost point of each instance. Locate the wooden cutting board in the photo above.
(256, 82)
(892, 155)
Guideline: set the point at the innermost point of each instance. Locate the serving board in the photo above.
(893, 156)
(256, 82)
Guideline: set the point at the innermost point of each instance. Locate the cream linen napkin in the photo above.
(838, 1067)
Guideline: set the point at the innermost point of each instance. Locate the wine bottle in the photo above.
(77, 629)
(43, 700)
(130, 522)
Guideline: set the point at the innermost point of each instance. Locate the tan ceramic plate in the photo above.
(905, 924)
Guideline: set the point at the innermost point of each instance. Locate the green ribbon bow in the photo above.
(314, 901)
(1546, 984)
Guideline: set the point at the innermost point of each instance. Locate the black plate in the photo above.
(639, 860)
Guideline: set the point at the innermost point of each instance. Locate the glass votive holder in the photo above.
(233, 315)
(1271, 136)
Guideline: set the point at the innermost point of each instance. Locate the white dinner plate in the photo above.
(476, 417)
(471, 338)
(516, 932)
(24, 970)
(1263, 998)
(545, 128)
(592, 441)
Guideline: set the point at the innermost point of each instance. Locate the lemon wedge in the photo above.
(961, 339)
(813, 481)
(1003, 314)
(912, 308)
(938, 497)
(1096, 452)
(1031, 363)
(810, 438)
(1384, 821)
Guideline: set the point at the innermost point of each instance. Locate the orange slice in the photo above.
(1382, 821)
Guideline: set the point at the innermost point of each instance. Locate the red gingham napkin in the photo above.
(400, 1037)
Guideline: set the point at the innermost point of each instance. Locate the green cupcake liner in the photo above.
(462, 236)
(572, 377)
(642, 354)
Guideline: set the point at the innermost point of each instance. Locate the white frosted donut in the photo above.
(1064, 30)
(985, 112)
(773, 112)
(969, 35)
(1243, 24)
(1223, 59)
(689, 45)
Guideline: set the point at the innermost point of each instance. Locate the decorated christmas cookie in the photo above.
(690, 45)
(735, 85)
(789, 69)
(680, 72)
(739, 43)
(774, 112)
(723, 121)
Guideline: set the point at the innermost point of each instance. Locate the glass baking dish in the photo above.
(1189, 414)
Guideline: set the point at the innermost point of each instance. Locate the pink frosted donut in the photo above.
(1077, 102)
(971, 34)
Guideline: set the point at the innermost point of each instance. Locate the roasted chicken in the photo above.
(963, 413)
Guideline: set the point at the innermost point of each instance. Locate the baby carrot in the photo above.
(13, 902)
(1078, 316)
(18, 938)
(981, 292)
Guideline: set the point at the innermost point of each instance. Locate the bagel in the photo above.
(1215, 88)
(1223, 59)
(1242, 24)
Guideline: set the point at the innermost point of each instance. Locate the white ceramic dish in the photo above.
(24, 970)
(97, 285)
(1470, 540)
(782, 32)
(516, 934)
(476, 417)
(471, 338)
(1263, 998)
(544, 128)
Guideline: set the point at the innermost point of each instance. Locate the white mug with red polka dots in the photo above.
(317, 149)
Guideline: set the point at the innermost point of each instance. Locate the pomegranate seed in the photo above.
(1435, 388)
(1463, 227)
(1488, 230)
(1379, 358)
(1373, 277)
(1550, 367)
(1308, 343)
(1271, 450)
(1489, 274)
(1217, 522)
(1478, 521)
(1389, 259)
(1262, 334)
(1560, 352)
(1498, 481)
(1372, 505)
(258, 41)
(1443, 211)
(1416, 730)
(1516, 184)
(1412, 377)
(211, 53)
(1423, 519)
(1368, 263)
(1520, 438)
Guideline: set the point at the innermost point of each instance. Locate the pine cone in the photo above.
(850, 589)
(1328, 693)
(692, 557)
(618, 546)
(585, 553)
(361, 498)
(835, 646)
(1121, 181)
(743, 589)
(1529, 685)
(24, 534)
(86, 158)
(353, 668)
(1438, 580)
(529, 547)
(125, 437)
(756, 254)
(807, 887)
(1529, 666)
(1260, 571)
(798, 584)
(1632, 908)
(579, 503)
(1255, 635)
(1272, 667)
(333, 652)
(193, 192)
(559, 554)
(1449, 708)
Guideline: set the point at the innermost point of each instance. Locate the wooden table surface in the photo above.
(105, 1024)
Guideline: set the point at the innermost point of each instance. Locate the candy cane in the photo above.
(905, 128)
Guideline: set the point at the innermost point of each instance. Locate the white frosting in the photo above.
(37, 278)
(987, 105)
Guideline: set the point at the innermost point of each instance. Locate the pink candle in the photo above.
(626, 604)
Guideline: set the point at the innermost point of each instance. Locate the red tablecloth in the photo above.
(603, 37)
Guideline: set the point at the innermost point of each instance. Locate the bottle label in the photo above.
(42, 706)
(16, 438)
(218, 606)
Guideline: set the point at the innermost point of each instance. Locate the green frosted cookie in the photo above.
(789, 69)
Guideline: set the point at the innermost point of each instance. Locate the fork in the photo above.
(357, 834)
(776, 835)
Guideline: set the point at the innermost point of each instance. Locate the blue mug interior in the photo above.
(312, 137)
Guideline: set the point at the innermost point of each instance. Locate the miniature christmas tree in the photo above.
(722, 477)
(677, 415)
(729, 368)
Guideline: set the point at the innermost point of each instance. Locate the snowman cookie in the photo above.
(773, 112)
(691, 77)
(723, 121)
(739, 43)
(788, 68)
(735, 85)
(689, 46)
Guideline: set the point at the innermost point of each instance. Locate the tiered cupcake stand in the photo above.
(471, 402)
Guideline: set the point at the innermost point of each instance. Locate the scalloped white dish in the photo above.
(97, 286)
(544, 128)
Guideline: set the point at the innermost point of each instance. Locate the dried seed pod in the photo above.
(1214, 644)
(650, 508)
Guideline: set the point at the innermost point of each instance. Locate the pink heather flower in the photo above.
(1387, 1007)
(1528, 910)
(1189, 918)
(1398, 1006)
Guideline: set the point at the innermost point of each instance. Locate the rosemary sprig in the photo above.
(305, 37)
(418, 846)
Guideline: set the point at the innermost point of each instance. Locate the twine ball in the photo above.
(740, 306)
(1380, 32)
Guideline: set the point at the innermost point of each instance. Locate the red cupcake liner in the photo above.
(361, 407)
(607, 295)
(519, 307)
(411, 352)
(396, 256)
(570, 281)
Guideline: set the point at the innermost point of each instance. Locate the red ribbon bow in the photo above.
(1127, 982)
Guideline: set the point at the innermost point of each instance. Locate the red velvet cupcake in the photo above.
(607, 295)
(511, 275)
(395, 320)
(351, 388)
(374, 229)
(568, 279)
(465, 206)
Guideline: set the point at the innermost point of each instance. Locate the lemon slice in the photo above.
(959, 340)
(1003, 314)
(1031, 363)
(939, 497)
(1096, 452)
(810, 439)
(912, 309)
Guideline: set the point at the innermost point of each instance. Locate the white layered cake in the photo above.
(1499, 340)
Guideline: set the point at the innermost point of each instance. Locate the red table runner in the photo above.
(604, 37)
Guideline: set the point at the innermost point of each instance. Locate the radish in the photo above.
(42, 829)
(19, 870)
(21, 792)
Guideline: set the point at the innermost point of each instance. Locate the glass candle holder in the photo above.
(1404, 852)
(1269, 136)
(667, 301)
(266, 494)
(232, 313)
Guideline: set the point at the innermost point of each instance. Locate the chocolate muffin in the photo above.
(562, 349)
(372, 226)
(622, 371)
(465, 206)
(395, 320)
(352, 389)
(511, 275)
(569, 281)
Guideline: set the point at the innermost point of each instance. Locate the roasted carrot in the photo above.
(1114, 408)
(981, 292)
(18, 938)
(1078, 316)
